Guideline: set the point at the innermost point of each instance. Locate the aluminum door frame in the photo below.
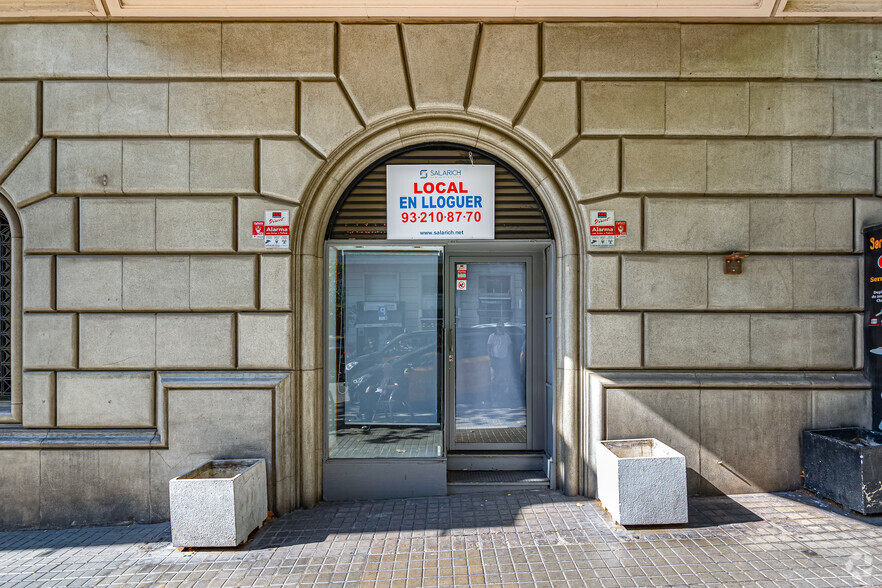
(531, 253)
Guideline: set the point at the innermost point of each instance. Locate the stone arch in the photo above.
(319, 200)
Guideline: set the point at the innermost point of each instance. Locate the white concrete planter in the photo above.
(642, 482)
(219, 503)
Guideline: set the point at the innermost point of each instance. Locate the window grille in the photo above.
(361, 212)
(5, 314)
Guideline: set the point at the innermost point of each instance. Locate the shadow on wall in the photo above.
(736, 440)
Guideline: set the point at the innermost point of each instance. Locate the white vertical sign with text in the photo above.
(440, 201)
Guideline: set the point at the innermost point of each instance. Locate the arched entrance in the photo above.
(557, 265)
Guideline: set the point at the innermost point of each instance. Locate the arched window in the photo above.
(361, 212)
(5, 314)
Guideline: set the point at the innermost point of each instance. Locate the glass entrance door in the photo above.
(489, 353)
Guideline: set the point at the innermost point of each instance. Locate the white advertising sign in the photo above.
(602, 229)
(440, 201)
(275, 229)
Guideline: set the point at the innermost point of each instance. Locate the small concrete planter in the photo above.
(845, 465)
(642, 482)
(219, 503)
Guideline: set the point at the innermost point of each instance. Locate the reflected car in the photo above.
(397, 347)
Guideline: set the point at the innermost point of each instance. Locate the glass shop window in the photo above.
(384, 355)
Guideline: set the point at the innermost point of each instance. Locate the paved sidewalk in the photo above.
(527, 538)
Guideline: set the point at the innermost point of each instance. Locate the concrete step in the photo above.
(495, 461)
(462, 482)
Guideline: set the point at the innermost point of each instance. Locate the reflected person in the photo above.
(500, 348)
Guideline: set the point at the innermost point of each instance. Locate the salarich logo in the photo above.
(440, 173)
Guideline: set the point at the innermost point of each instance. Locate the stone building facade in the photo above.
(150, 332)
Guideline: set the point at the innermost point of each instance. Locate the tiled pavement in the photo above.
(530, 538)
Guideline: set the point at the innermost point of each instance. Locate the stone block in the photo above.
(89, 166)
(694, 225)
(264, 340)
(225, 167)
(286, 168)
(378, 86)
(592, 167)
(38, 400)
(117, 224)
(626, 208)
(766, 283)
(201, 341)
(278, 49)
(89, 282)
(155, 167)
(849, 50)
(53, 50)
(612, 49)
(20, 507)
(867, 211)
(160, 282)
(670, 282)
(664, 165)
(700, 341)
(614, 340)
(767, 425)
(669, 415)
(164, 50)
(748, 167)
(833, 167)
(18, 125)
(254, 209)
(642, 482)
(117, 341)
(439, 82)
(39, 282)
(50, 225)
(802, 341)
(49, 341)
(791, 108)
(232, 108)
(789, 224)
(105, 108)
(230, 424)
(749, 51)
(31, 179)
(552, 117)
(506, 69)
(275, 282)
(223, 282)
(106, 399)
(706, 108)
(603, 282)
(218, 504)
(636, 108)
(827, 283)
(832, 409)
(326, 117)
(195, 224)
(93, 487)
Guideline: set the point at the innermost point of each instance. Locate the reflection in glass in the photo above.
(384, 335)
(491, 355)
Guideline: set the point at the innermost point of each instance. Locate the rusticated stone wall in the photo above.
(136, 156)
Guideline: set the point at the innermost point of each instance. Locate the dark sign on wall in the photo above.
(873, 317)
